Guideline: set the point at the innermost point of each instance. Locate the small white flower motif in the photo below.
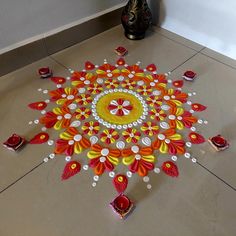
(120, 107)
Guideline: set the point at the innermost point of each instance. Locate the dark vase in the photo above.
(136, 18)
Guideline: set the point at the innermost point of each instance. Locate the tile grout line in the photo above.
(187, 60)
(200, 51)
(218, 60)
(17, 180)
(216, 176)
(178, 41)
(223, 181)
(59, 63)
(52, 58)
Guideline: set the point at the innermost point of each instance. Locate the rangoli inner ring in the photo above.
(119, 108)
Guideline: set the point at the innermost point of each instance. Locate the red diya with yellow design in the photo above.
(118, 115)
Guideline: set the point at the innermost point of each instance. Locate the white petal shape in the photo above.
(75, 123)
(125, 111)
(120, 145)
(146, 141)
(126, 103)
(114, 102)
(72, 106)
(140, 83)
(114, 111)
(165, 107)
(93, 139)
(164, 125)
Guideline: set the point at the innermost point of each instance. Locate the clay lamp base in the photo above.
(122, 205)
(45, 72)
(189, 75)
(15, 142)
(218, 142)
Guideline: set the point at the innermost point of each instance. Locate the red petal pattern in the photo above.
(196, 138)
(198, 107)
(38, 105)
(151, 67)
(170, 169)
(39, 138)
(178, 83)
(120, 62)
(71, 168)
(89, 65)
(120, 183)
(58, 80)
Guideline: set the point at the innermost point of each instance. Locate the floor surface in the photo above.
(200, 202)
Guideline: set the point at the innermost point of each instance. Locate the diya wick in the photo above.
(218, 142)
(45, 72)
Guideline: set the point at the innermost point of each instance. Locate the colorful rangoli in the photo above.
(119, 115)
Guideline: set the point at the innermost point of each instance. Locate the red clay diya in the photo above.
(15, 142)
(45, 72)
(218, 142)
(122, 205)
(121, 51)
(189, 75)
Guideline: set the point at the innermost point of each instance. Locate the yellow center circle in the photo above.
(120, 179)
(105, 114)
(73, 166)
(42, 137)
(168, 165)
(194, 136)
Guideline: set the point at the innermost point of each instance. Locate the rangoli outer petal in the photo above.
(149, 158)
(77, 148)
(128, 160)
(179, 124)
(93, 154)
(58, 125)
(163, 148)
(142, 171)
(113, 160)
(146, 151)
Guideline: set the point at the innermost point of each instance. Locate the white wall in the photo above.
(208, 22)
(20, 20)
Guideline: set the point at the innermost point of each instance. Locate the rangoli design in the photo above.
(119, 115)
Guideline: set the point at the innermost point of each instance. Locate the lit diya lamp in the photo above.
(15, 142)
(121, 205)
(219, 142)
(189, 75)
(45, 72)
(121, 51)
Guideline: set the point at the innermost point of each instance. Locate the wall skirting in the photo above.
(38, 47)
